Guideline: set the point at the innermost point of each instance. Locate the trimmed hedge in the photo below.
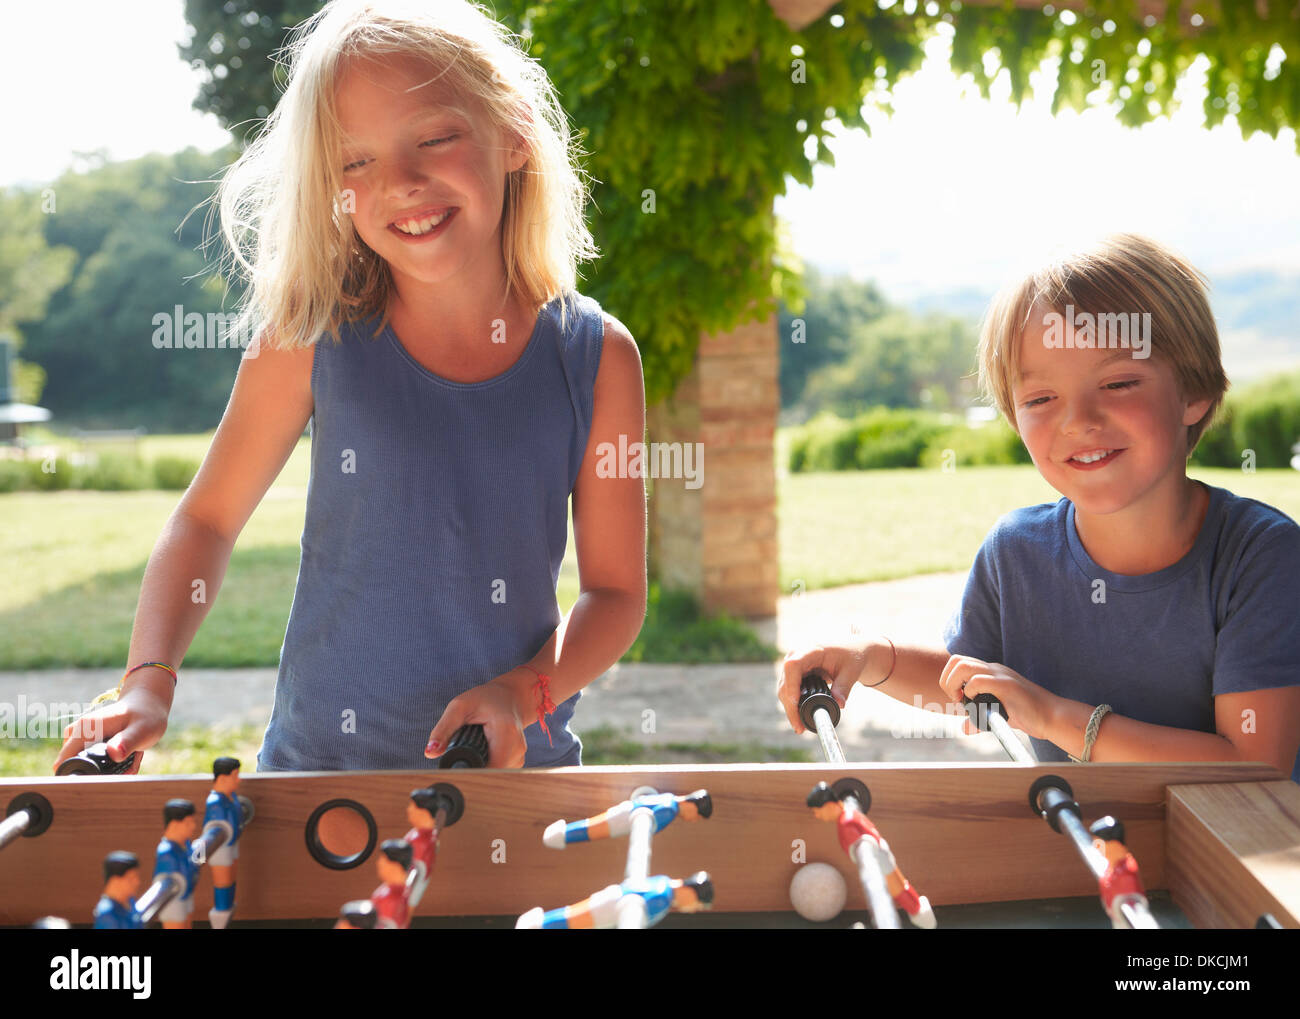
(986, 446)
(1264, 417)
(111, 472)
(879, 438)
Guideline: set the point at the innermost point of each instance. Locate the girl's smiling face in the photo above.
(1104, 428)
(427, 179)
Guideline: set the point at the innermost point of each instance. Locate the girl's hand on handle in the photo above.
(491, 705)
(843, 666)
(1027, 705)
(132, 723)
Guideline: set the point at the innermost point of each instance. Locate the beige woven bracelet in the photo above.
(1090, 733)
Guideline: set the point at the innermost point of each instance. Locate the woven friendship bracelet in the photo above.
(1094, 724)
(1090, 733)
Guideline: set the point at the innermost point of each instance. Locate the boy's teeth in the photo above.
(1093, 457)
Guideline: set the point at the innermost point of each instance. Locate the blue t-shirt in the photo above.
(1157, 647)
(436, 523)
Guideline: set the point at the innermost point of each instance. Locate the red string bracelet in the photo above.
(545, 705)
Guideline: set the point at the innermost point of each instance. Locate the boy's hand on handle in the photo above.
(1027, 705)
(132, 723)
(491, 705)
(843, 666)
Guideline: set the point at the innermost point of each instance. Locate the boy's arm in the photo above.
(914, 679)
(1261, 725)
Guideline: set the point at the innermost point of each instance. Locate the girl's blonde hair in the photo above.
(283, 211)
(1121, 274)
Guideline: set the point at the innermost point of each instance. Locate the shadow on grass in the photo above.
(604, 744)
(88, 625)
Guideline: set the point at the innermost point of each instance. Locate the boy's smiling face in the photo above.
(1075, 405)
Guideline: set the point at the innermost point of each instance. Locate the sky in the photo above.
(952, 192)
(77, 75)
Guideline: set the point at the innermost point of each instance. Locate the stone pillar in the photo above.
(719, 540)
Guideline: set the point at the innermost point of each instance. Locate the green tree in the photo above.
(896, 360)
(31, 271)
(134, 255)
(819, 334)
(712, 105)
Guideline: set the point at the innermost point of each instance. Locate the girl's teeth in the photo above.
(421, 226)
(1094, 457)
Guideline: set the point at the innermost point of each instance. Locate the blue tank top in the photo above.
(437, 517)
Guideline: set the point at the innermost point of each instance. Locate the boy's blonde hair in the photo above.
(282, 212)
(1126, 274)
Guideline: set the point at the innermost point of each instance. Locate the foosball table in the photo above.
(1218, 843)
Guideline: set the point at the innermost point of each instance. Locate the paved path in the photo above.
(660, 703)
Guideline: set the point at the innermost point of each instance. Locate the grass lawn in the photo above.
(76, 558)
(191, 751)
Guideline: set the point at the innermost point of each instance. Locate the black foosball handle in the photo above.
(94, 760)
(814, 693)
(994, 720)
(468, 748)
(980, 719)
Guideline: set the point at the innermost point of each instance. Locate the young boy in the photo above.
(1144, 616)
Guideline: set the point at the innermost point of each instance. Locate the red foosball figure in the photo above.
(392, 905)
(423, 838)
(357, 915)
(857, 834)
(1121, 884)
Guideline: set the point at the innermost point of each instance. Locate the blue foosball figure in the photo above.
(656, 895)
(175, 855)
(116, 910)
(617, 820)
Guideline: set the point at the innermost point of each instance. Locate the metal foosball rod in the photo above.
(1052, 799)
(819, 711)
(991, 716)
(27, 815)
(165, 889)
(846, 803)
(632, 914)
(640, 900)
